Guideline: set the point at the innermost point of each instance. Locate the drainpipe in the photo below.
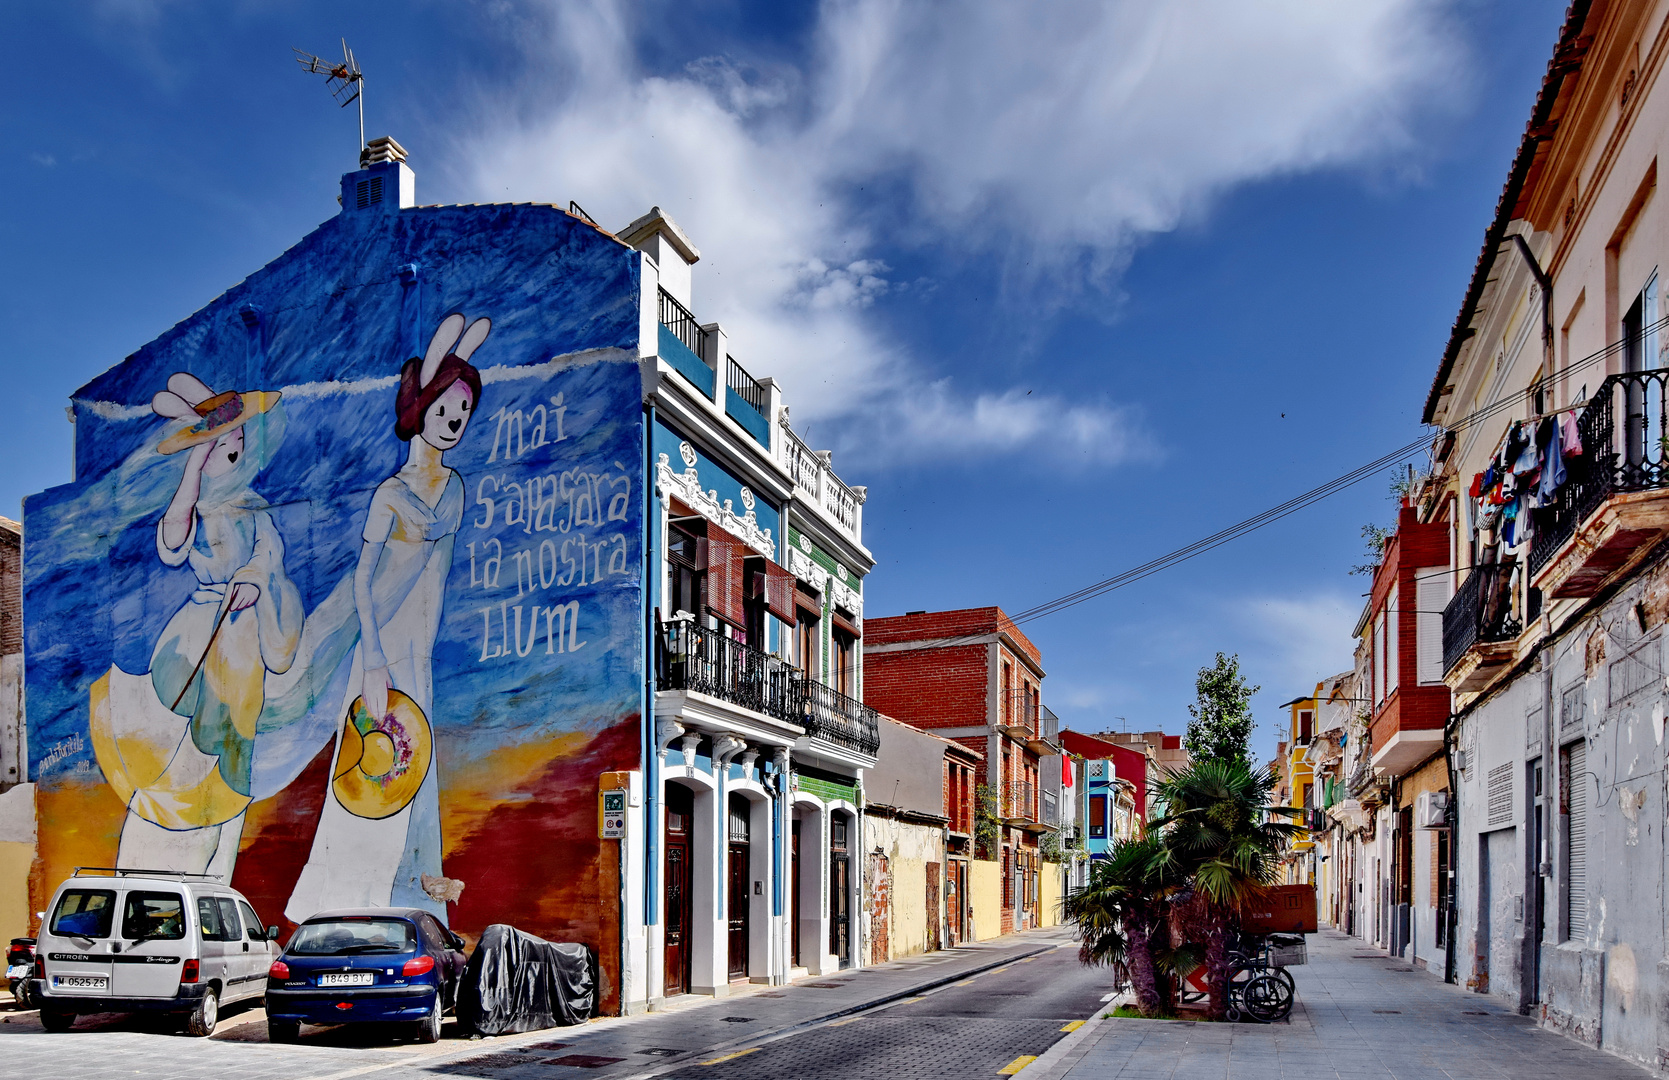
(1452, 818)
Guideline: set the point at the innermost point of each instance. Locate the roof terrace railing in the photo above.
(677, 318)
(745, 386)
(816, 478)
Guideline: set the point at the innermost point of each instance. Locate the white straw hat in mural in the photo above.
(213, 415)
(382, 762)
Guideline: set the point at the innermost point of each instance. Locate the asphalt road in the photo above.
(973, 1028)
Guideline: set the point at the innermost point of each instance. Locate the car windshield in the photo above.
(345, 937)
(84, 913)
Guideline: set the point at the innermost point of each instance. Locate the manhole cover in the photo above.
(547, 1046)
(737, 1019)
(827, 985)
(771, 994)
(661, 1051)
(1467, 1012)
(1389, 1012)
(582, 1061)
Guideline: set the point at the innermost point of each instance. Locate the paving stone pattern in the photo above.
(1359, 1017)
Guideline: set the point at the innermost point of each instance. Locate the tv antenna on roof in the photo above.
(346, 82)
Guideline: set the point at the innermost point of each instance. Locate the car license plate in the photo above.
(80, 982)
(352, 978)
(18, 971)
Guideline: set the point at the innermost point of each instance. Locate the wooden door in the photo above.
(935, 921)
(794, 893)
(738, 893)
(680, 818)
(840, 909)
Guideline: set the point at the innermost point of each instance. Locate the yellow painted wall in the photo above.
(1049, 894)
(909, 908)
(985, 882)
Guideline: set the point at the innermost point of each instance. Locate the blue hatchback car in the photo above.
(385, 965)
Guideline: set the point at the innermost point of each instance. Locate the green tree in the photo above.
(1122, 917)
(1221, 728)
(1218, 832)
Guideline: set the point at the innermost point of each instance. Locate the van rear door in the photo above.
(154, 944)
(76, 942)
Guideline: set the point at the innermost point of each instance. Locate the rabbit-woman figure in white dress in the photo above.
(379, 832)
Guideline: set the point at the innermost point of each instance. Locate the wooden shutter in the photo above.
(1576, 860)
(779, 593)
(1432, 596)
(847, 625)
(725, 554)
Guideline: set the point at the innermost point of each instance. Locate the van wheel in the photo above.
(283, 1031)
(428, 1028)
(56, 1019)
(201, 1020)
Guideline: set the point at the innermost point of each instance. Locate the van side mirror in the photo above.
(272, 933)
(457, 942)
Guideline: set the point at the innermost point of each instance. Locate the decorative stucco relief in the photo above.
(687, 487)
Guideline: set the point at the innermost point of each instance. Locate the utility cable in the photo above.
(1297, 502)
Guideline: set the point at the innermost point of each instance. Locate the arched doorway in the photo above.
(840, 888)
(680, 835)
(737, 895)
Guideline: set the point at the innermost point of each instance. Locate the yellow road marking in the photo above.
(840, 1023)
(727, 1057)
(1074, 1026)
(967, 982)
(912, 1001)
(1017, 1064)
(1028, 959)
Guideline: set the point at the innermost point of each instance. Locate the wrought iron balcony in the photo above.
(1020, 801)
(1623, 464)
(694, 658)
(1480, 613)
(830, 715)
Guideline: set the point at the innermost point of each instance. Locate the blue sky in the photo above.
(1064, 292)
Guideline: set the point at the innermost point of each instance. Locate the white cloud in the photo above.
(1050, 137)
(1296, 641)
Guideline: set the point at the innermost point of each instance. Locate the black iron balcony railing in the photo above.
(677, 318)
(1048, 725)
(1480, 612)
(744, 386)
(1622, 432)
(692, 657)
(835, 718)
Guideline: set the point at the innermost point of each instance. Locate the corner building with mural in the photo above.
(439, 563)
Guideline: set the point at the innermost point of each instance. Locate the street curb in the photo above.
(773, 1035)
(1049, 1065)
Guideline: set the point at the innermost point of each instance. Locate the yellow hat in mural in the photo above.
(382, 762)
(212, 414)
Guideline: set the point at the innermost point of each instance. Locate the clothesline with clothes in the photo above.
(1525, 473)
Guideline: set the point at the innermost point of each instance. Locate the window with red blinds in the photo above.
(725, 555)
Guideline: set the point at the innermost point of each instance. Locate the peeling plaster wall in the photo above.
(1606, 986)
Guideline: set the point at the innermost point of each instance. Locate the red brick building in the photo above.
(973, 677)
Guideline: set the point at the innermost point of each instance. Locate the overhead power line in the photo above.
(1297, 502)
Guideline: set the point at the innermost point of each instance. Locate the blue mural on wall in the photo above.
(346, 592)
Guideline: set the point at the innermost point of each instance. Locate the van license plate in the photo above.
(80, 982)
(353, 978)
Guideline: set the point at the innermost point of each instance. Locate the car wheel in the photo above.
(283, 1031)
(56, 1019)
(428, 1028)
(202, 1020)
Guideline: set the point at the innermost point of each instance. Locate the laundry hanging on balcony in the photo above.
(1525, 474)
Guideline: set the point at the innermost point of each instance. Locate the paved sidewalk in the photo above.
(1356, 1018)
(691, 1029)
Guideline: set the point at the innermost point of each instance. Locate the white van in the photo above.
(152, 941)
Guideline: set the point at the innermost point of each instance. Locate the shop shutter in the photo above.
(779, 593)
(1432, 595)
(1576, 866)
(725, 554)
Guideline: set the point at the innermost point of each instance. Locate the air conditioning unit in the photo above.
(1431, 810)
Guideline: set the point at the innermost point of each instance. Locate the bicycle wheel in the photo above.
(1266, 999)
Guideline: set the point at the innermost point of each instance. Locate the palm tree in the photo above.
(1218, 832)
(1122, 917)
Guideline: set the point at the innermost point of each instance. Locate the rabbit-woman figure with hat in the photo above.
(178, 746)
(379, 832)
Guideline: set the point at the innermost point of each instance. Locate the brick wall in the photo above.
(929, 688)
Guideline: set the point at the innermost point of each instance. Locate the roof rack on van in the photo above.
(126, 871)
